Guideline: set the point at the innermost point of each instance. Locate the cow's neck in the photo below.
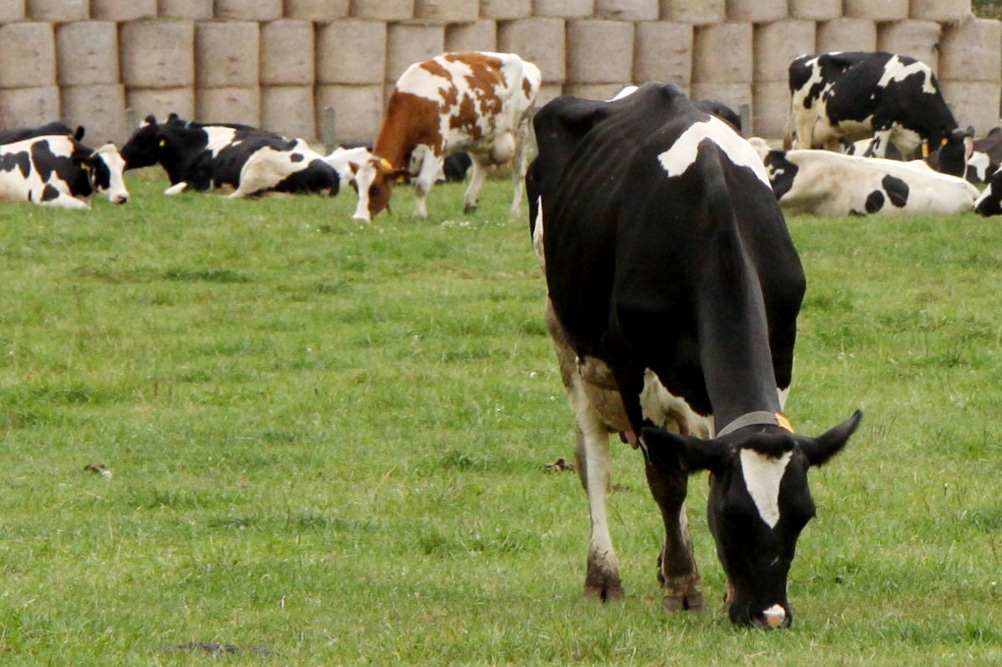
(734, 351)
(405, 126)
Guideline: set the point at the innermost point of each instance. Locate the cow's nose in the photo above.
(774, 617)
(121, 199)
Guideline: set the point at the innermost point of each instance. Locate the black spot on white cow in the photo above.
(854, 95)
(205, 156)
(57, 170)
(674, 289)
(823, 183)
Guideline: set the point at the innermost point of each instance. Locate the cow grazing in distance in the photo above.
(475, 102)
(824, 183)
(57, 170)
(205, 156)
(854, 95)
(667, 258)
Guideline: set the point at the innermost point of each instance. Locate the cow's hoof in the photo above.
(469, 208)
(610, 592)
(683, 594)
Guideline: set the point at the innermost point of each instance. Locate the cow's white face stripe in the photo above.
(677, 159)
(763, 475)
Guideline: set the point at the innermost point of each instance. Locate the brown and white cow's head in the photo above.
(758, 504)
(373, 182)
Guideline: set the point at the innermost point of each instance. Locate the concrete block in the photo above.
(876, 10)
(846, 35)
(616, 40)
(771, 102)
(87, 53)
(100, 108)
(358, 111)
(11, 11)
(538, 40)
(567, 9)
(756, 11)
(248, 10)
(32, 46)
(917, 39)
(974, 103)
(969, 51)
(699, 12)
(940, 10)
(58, 11)
(290, 111)
(317, 10)
(628, 10)
(288, 50)
(722, 53)
(446, 11)
(505, 9)
(662, 51)
(777, 44)
(123, 10)
(475, 36)
(352, 52)
(22, 107)
(229, 105)
(227, 54)
(382, 10)
(195, 10)
(733, 95)
(815, 10)
(161, 102)
(157, 54)
(407, 44)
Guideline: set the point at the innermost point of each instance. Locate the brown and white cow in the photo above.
(478, 102)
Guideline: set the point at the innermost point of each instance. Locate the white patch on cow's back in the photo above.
(677, 159)
(763, 475)
(218, 138)
(895, 70)
(417, 80)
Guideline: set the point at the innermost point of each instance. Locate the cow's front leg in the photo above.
(426, 177)
(878, 147)
(677, 571)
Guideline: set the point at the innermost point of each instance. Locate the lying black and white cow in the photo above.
(831, 184)
(210, 156)
(57, 170)
(854, 95)
(667, 258)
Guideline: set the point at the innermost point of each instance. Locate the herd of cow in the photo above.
(673, 284)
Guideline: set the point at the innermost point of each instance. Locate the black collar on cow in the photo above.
(759, 418)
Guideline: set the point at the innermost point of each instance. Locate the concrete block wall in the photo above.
(292, 65)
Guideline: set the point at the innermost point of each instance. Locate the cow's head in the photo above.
(105, 169)
(143, 149)
(759, 502)
(955, 149)
(373, 182)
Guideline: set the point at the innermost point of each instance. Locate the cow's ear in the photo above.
(821, 449)
(79, 134)
(683, 452)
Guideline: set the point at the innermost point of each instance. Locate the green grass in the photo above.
(329, 439)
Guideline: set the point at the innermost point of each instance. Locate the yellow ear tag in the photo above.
(944, 142)
(163, 142)
(783, 423)
(386, 163)
(925, 149)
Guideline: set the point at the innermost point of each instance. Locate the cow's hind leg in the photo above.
(677, 570)
(478, 172)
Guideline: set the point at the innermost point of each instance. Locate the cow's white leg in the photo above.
(430, 166)
(602, 580)
(175, 189)
(878, 147)
(478, 172)
(521, 164)
(677, 570)
(65, 201)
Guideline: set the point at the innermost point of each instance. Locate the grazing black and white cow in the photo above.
(206, 156)
(674, 289)
(824, 183)
(854, 95)
(57, 170)
(56, 128)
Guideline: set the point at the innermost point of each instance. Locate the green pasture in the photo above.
(327, 445)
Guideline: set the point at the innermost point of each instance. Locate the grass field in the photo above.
(327, 445)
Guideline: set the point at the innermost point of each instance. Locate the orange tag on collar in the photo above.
(784, 423)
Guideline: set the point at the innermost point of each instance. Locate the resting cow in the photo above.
(206, 156)
(56, 128)
(667, 258)
(476, 102)
(854, 95)
(830, 184)
(57, 170)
